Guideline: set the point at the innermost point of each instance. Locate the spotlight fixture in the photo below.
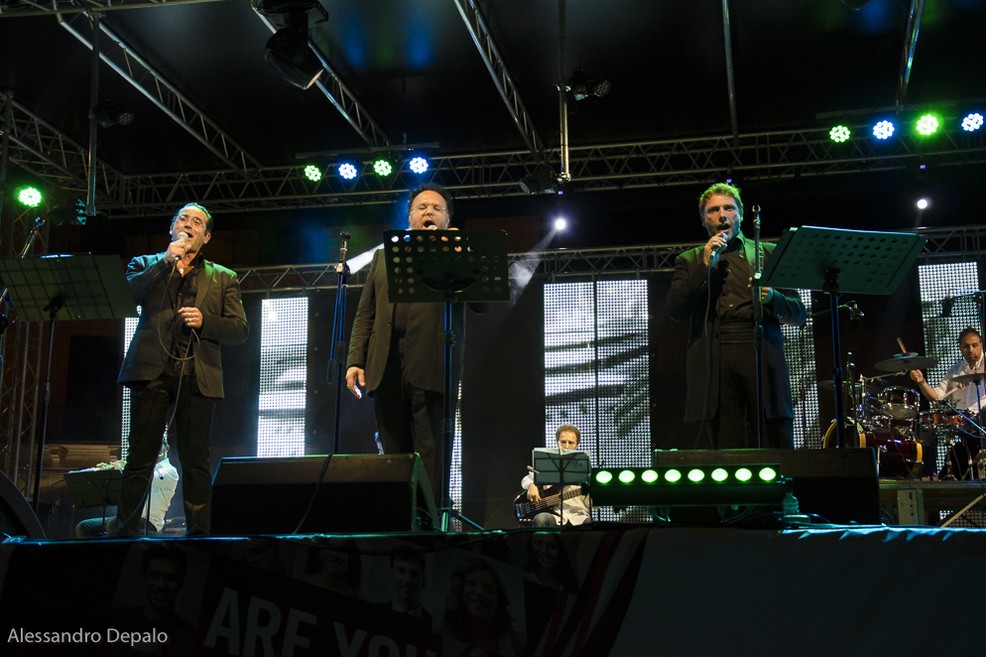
(418, 164)
(840, 134)
(29, 197)
(313, 172)
(883, 129)
(541, 179)
(927, 125)
(582, 86)
(108, 116)
(348, 171)
(972, 121)
(382, 167)
(289, 54)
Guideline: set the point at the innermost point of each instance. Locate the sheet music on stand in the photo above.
(446, 265)
(85, 285)
(836, 261)
(94, 487)
(555, 466)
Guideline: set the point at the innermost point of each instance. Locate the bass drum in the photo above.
(898, 454)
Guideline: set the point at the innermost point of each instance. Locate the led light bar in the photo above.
(759, 484)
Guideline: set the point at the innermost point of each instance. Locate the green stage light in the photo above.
(382, 167)
(313, 173)
(840, 133)
(30, 197)
(927, 125)
(704, 485)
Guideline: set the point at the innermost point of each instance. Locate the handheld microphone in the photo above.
(723, 227)
(183, 237)
(343, 247)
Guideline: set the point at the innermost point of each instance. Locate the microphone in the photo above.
(183, 237)
(344, 236)
(946, 305)
(723, 227)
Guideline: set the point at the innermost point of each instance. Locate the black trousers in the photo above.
(151, 404)
(734, 424)
(409, 420)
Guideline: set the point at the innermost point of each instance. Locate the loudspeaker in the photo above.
(17, 518)
(839, 485)
(357, 493)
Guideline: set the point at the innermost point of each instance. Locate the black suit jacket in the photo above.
(373, 329)
(223, 322)
(688, 299)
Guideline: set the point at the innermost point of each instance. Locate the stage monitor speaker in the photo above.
(17, 518)
(838, 485)
(358, 493)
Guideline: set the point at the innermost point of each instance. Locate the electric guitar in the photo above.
(526, 510)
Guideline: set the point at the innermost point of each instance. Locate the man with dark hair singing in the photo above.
(189, 307)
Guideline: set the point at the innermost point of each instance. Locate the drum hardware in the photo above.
(975, 377)
(898, 454)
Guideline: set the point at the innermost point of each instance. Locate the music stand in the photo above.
(835, 260)
(91, 488)
(449, 266)
(561, 467)
(64, 286)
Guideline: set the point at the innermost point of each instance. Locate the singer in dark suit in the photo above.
(189, 307)
(396, 351)
(712, 289)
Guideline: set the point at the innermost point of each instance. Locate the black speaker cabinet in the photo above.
(840, 485)
(358, 493)
(17, 518)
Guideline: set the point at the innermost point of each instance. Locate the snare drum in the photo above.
(897, 454)
(900, 403)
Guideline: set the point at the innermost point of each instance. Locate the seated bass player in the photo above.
(554, 505)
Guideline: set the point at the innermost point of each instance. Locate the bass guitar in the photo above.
(525, 510)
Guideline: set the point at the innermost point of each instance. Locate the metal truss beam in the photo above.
(40, 149)
(483, 40)
(948, 243)
(52, 7)
(165, 96)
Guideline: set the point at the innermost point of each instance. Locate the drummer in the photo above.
(960, 387)
(963, 394)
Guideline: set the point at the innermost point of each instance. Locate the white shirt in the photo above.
(963, 395)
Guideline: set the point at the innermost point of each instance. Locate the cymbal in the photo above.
(975, 377)
(905, 362)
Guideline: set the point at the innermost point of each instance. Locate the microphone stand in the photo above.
(336, 372)
(758, 327)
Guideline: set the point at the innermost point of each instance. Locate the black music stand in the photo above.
(834, 260)
(555, 466)
(449, 266)
(91, 488)
(65, 286)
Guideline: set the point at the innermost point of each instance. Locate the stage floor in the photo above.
(608, 590)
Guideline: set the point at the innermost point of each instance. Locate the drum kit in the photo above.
(891, 421)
